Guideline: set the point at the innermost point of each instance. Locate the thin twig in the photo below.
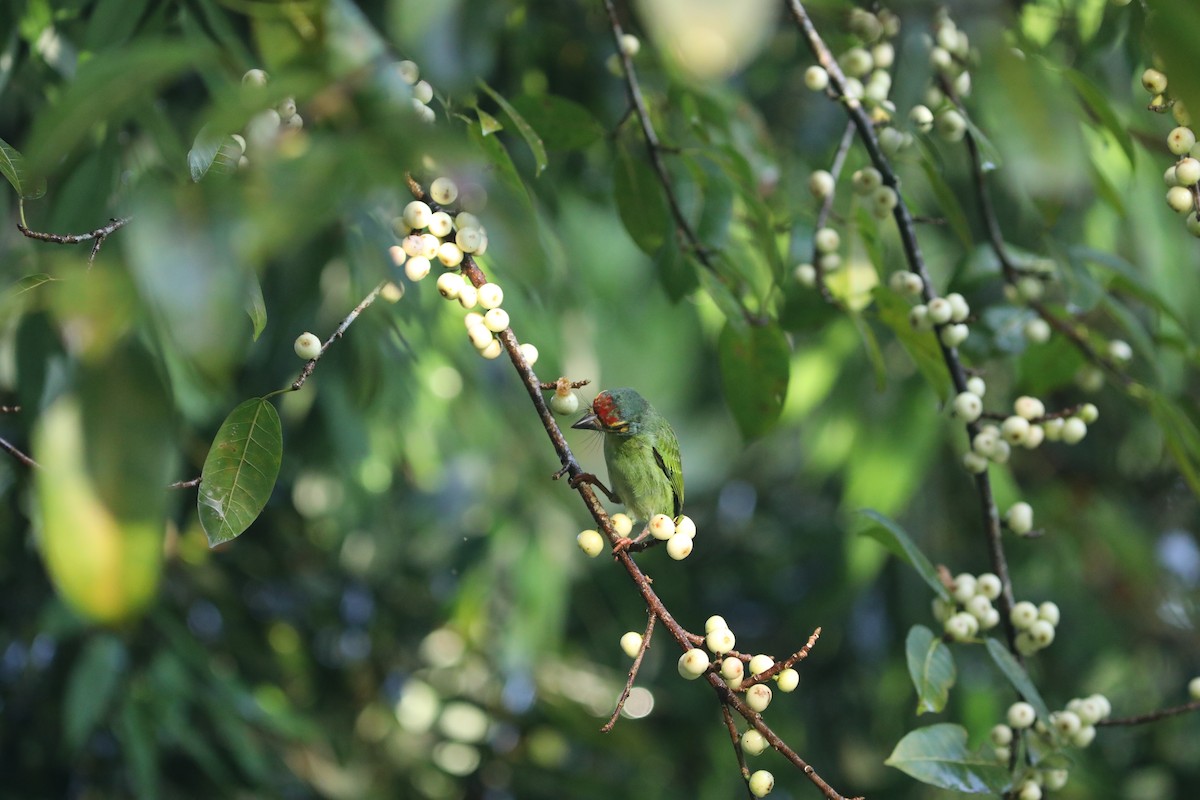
(736, 739)
(835, 169)
(916, 261)
(633, 671)
(188, 484)
(337, 334)
(98, 235)
(16, 453)
(779, 666)
(1152, 716)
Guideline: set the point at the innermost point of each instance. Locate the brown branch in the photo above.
(633, 671)
(570, 467)
(779, 666)
(912, 252)
(98, 235)
(16, 453)
(1153, 716)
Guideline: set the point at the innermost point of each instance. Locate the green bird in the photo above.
(641, 453)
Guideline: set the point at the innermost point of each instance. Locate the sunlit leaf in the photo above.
(536, 146)
(938, 755)
(754, 375)
(240, 470)
(931, 667)
(12, 165)
(889, 533)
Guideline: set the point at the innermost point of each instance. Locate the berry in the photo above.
(715, 623)
(1034, 437)
(491, 295)
(467, 295)
(942, 609)
(1042, 633)
(427, 245)
(758, 697)
(1154, 81)
(921, 118)
(918, 317)
(905, 282)
(307, 346)
(1180, 141)
(530, 352)
(816, 78)
(806, 275)
(286, 108)
(988, 585)
(1014, 429)
(1119, 350)
(1065, 722)
(693, 663)
(732, 668)
(954, 335)
(443, 191)
(565, 404)
(416, 215)
(760, 663)
(422, 91)
(1023, 615)
(821, 184)
(631, 643)
(826, 240)
(409, 71)
(397, 254)
(976, 385)
(449, 254)
(592, 543)
(1193, 224)
(1037, 330)
(761, 783)
(720, 640)
(1194, 688)
(1179, 199)
(857, 62)
(440, 223)
(964, 587)
(1029, 407)
(961, 627)
(1084, 736)
(968, 406)
(1049, 612)
(959, 309)
(496, 319)
(787, 680)
(974, 463)
(493, 350)
(883, 201)
(1029, 791)
(1001, 735)
(621, 523)
(866, 180)
(685, 525)
(450, 284)
(1055, 779)
(950, 125)
(753, 742)
(1089, 710)
(480, 336)
(466, 220)
(884, 55)
(662, 527)
(391, 292)
(254, 77)
(630, 45)
(1021, 715)
(979, 607)
(940, 310)
(468, 239)
(1187, 171)
(1073, 430)
(679, 546)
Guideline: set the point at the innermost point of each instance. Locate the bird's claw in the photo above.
(621, 545)
(581, 478)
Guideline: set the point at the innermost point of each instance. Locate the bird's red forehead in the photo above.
(606, 409)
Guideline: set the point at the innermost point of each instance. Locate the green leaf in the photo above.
(487, 123)
(921, 346)
(501, 162)
(204, 151)
(562, 124)
(91, 687)
(676, 271)
(240, 470)
(889, 533)
(754, 373)
(139, 748)
(938, 755)
(931, 667)
(874, 353)
(536, 146)
(719, 292)
(1017, 676)
(640, 201)
(256, 306)
(951, 206)
(12, 164)
(1181, 437)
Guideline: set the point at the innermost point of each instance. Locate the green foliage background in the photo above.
(410, 616)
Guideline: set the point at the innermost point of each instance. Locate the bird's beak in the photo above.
(589, 422)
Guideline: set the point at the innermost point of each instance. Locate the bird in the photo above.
(641, 453)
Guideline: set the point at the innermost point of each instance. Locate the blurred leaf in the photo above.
(950, 206)
(931, 667)
(91, 687)
(1171, 30)
(1096, 103)
(204, 150)
(889, 533)
(138, 737)
(921, 346)
(640, 201)
(502, 163)
(17, 293)
(720, 294)
(754, 374)
(107, 89)
(938, 755)
(112, 23)
(676, 271)
(871, 346)
(527, 132)
(12, 164)
(240, 470)
(1181, 436)
(1017, 676)
(1007, 324)
(562, 124)
(256, 306)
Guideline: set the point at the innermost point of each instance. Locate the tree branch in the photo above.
(98, 235)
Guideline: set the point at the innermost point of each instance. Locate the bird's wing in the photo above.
(666, 451)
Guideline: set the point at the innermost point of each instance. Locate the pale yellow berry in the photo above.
(450, 284)
(720, 640)
(429, 245)
(761, 783)
(409, 71)
(416, 268)
(307, 346)
(397, 254)
(493, 350)
(693, 663)
(761, 663)
(662, 527)
(631, 643)
(679, 546)
(491, 295)
(416, 215)
(496, 319)
(622, 524)
(592, 543)
(685, 525)
(753, 743)
(530, 353)
(787, 680)
(467, 295)
(758, 697)
(422, 91)
(440, 223)
(444, 191)
(630, 45)
(391, 292)
(449, 254)
(254, 77)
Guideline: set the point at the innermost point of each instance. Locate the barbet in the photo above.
(641, 453)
